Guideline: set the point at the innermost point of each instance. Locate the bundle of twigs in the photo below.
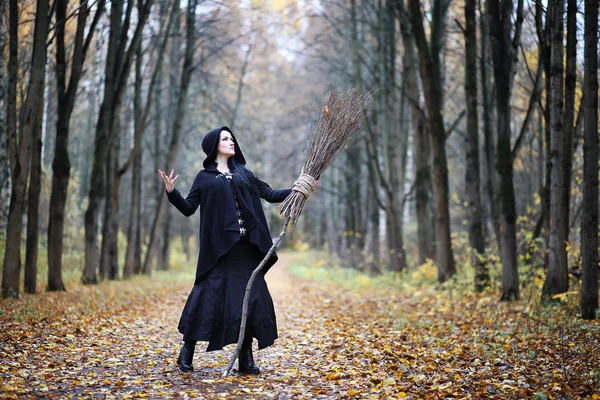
(339, 119)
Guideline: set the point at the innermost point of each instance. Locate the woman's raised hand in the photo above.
(169, 180)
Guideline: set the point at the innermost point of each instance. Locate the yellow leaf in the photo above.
(401, 394)
(351, 392)
(389, 382)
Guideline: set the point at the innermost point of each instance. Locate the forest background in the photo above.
(477, 163)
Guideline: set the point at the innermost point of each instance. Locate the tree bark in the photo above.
(430, 77)
(136, 190)
(544, 51)
(589, 219)
(490, 185)
(504, 48)
(33, 206)
(569, 124)
(110, 226)
(557, 275)
(20, 169)
(4, 161)
(13, 77)
(472, 183)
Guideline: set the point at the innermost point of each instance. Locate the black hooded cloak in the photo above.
(219, 226)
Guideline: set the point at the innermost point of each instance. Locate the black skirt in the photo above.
(213, 310)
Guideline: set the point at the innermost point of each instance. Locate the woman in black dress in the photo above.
(234, 238)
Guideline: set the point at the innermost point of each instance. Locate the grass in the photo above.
(562, 315)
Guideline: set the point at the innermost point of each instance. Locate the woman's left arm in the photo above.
(269, 194)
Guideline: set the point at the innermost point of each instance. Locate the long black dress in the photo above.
(213, 309)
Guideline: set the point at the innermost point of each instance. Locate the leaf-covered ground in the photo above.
(119, 340)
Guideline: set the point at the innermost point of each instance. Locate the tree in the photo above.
(472, 183)
(430, 69)
(504, 47)
(372, 196)
(118, 62)
(589, 220)
(4, 170)
(557, 277)
(33, 198)
(420, 139)
(178, 123)
(22, 150)
(66, 93)
(134, 158)
(490, 184)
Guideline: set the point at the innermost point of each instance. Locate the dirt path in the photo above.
(131, 353)
(333, 344)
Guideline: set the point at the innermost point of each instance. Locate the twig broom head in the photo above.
(339, 119)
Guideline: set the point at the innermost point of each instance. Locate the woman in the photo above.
(234, 238)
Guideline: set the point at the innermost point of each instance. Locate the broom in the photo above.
(339, 120)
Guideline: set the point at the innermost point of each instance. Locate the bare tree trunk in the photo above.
(50, 115)
(20, 169)
(33, 206)
(421, 145)
(544, 55)
(557, 276)
(4, 161)
(375, 241)
(61, 165)
(134, 221)
(108, 210)
(490, 185)
(568, 122)
(163, 259)
(472, 184)
(101, 148)
(353, 201)
(589, 220)
(109, 251)
(401, 163)
(355, 236)
(179, 118)
(430, 77)
(372, 201)
(504, 48)
(118, 63)
(390, 137)
(164, 241)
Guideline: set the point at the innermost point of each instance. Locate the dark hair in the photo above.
(241, 174)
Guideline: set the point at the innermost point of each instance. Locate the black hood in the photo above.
(210, 145)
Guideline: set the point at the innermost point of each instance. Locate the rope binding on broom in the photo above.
(305, 184)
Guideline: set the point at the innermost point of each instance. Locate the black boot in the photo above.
(246, 360)
(186, 355)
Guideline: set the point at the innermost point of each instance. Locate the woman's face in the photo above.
(226, 145)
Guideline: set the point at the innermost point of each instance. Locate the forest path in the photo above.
(334, 342)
